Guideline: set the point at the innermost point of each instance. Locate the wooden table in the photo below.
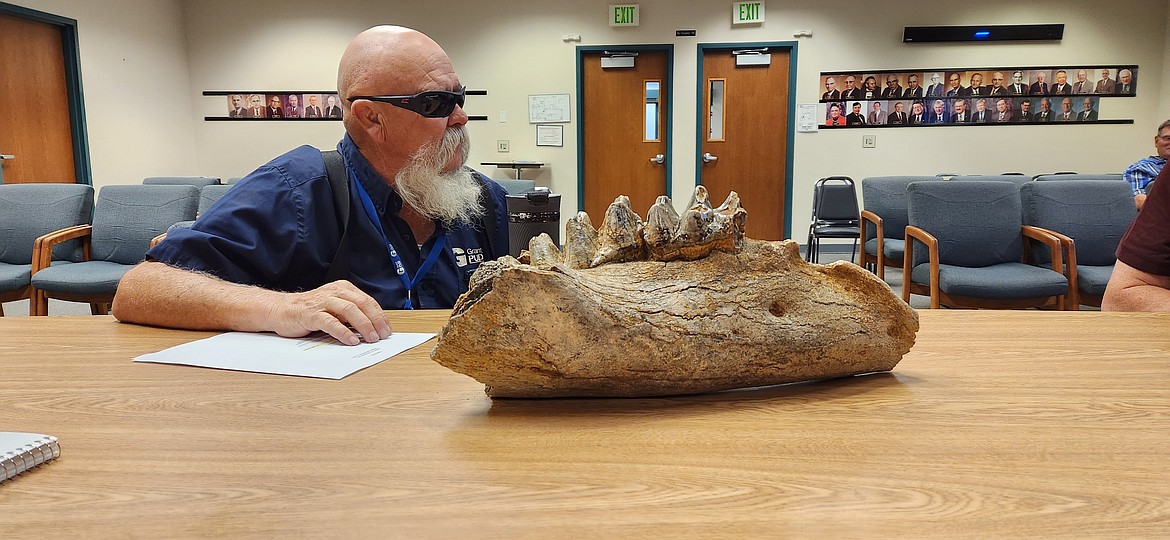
(996, 424)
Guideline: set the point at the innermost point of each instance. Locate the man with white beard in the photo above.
(274, 254)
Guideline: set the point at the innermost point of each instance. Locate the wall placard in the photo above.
(548, 108)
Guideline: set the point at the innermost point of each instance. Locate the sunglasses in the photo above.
(431, 104)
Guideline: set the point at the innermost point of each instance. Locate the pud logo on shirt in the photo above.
(463, 257)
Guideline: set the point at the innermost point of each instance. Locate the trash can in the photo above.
(530, 214)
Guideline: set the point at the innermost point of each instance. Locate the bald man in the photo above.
(420, 222)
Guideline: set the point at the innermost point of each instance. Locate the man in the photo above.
(1141, 278)
(1124, 82)
(237, 109)
(294, 107)
(997, 87)
(1087, 114)
(876, 116)
(1105, 85)
(916, 110)
(1061, 87)
(331, 108)
(404, 150)
(1141, 173)
(831, 91)
(851, 90)
(898, 117)
(835, 118)
(1002, 112)
(1039, 87)
(274, 109)
(912, 88)
(256, 106)
(960, 116)
(1045, 113)
(1025, 110)
(1066, 114)
(938, 113)
(893, 89)
(1018, 87)
(936, 87)
(855, 118)
(1082, 86)
(870, 88)
(980, 116)
(954, 88)
(976, 86)
(313, 110)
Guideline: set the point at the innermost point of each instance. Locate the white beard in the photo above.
(450, 197)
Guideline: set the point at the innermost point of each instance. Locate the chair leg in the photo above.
(38, 305)
(853, 252)
(98, 308)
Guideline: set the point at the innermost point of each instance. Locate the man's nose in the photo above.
(458, 117)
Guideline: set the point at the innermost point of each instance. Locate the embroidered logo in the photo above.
(464, 257)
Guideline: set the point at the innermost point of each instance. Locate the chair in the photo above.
(197, 181)
(1089, 217)
(974, 257)
(1016, 179)
(207, 197)
(834, 215)
(233, 180)
(1071, 176)
(28, 211)
(125, 218)
(517, 187)
(884, 202)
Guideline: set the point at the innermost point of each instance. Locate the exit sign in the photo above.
(623, 14)
(747, 12)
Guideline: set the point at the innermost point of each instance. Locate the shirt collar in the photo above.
(380, 192)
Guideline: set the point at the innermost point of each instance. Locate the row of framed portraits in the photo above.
(963, 111)
(280, 106)
(1115, 80)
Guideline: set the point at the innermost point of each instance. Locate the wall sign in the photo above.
(623, 14)
(747, 12)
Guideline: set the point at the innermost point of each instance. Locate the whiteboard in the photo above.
(544, 108)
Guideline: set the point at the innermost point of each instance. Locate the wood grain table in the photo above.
(996, 424)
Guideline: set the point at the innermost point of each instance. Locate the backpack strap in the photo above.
(339, 184)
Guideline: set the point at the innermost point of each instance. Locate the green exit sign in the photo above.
(747, 12)
(623, 14)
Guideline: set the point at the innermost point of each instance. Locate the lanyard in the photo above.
(399, 268)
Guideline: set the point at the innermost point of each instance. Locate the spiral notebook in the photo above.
(20, 452)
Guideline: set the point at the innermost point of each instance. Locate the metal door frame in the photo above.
(669, 112)
(699, 85)
(72, 61)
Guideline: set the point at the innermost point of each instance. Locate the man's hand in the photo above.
(333, 308)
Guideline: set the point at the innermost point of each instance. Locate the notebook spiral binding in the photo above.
(28, 455)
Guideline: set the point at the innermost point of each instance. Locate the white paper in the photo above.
(315, 355)
(806, 117)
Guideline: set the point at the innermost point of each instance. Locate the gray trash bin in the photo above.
(530, 214)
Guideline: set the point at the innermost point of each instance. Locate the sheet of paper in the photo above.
(315, 355)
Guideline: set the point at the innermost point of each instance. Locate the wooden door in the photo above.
(34, 103)
(623, 127)
(745, 128)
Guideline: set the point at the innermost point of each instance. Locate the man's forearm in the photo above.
(1131, 289)
(157, 294)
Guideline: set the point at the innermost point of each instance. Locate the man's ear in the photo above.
(371, 122)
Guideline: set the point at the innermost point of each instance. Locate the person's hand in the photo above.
(333, 308)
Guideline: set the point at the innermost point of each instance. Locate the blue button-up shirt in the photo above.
(278, 229)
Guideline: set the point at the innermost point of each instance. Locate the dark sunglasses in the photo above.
(431, 104)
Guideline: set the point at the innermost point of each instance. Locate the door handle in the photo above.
(708, 158)
(7, 156)
(659, 159)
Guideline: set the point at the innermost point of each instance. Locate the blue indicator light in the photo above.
(982, 34)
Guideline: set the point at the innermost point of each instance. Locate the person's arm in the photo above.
(1131, 289)
(156, 294)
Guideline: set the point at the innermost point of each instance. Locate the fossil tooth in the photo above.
(661, 223)
(544, 252)
(580, 241)
(620, 237)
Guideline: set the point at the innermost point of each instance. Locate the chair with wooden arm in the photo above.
(28, 211)
(883, 220)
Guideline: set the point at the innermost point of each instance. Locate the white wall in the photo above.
(514, 48)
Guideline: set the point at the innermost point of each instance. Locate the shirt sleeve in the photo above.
(1146, 245)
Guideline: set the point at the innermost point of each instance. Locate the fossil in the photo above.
(676, 304)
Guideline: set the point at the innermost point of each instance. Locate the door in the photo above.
(35, 121)
(624, 129)
(744, 132)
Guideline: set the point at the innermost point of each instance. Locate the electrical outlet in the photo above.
(502, 146)
(869, 141)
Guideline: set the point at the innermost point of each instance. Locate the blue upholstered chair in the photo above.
(834, 215)
(1090, 217)
(1016, 179)
(28, 211)
(207, 197)
(883, 220)
(124, 221)
(197, 181)
(517, 187)
(973, 235)
(1073, 176)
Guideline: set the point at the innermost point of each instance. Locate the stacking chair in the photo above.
(1089, 217)
(974, 251)
(834, 215)
(197, 181)
(884, 200)
(28, 211)
(125, 218)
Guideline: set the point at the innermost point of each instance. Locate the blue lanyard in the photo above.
(399, 268)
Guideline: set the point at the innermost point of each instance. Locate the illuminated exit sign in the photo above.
(623, 14)
(747, 12)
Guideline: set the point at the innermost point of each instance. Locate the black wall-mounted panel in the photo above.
(1002, 32)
